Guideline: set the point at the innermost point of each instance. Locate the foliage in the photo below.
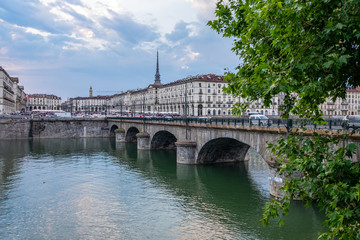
(329, 178)
(306, 50)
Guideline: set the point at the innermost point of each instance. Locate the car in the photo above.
(339, 120)
(353, 122)
(259, 120)
(168, 118)
(252, 113)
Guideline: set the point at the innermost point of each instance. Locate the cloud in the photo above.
(181, 31)
(3, 51)
(205, 8)
(129, 30)
(54, 44)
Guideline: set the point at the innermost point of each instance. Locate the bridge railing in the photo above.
(274, 122)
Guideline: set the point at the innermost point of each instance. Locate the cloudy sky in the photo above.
(63, 47)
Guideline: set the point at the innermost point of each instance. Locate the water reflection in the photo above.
(99, 189)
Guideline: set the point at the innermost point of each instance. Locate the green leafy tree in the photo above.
(329, 178)
(307, 50)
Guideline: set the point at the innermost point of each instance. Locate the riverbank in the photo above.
(14, 128)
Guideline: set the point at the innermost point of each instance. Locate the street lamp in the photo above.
(186, 115)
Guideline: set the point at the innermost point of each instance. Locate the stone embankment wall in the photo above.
(53, 128)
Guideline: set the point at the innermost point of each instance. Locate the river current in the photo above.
(99, 189)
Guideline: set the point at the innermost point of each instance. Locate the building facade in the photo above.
(343, 107)
(200, 95)
(43, 102)
(88, 105)
(12, 95)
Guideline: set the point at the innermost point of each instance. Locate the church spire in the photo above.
(90, 92)
(157, 75)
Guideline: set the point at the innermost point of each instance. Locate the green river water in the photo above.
(99, 189)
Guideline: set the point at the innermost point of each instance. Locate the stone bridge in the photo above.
(205, 143)
(198, 143)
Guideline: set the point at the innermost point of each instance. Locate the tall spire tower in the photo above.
(90, 92)
(157, 74)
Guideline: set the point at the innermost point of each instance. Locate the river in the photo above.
(99, 189)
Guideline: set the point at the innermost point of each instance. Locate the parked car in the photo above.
(203, 119)
(338, 117)
(339, 121)
(252, 113)
(168, 118)
(259, 120)
(353, 122)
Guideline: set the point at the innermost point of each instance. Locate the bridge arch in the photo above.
(112, 130)
(163, 140)
(131, 134)
(222, 150)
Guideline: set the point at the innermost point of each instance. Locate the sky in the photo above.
(63, 47)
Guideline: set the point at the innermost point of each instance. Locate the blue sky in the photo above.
(63, 47)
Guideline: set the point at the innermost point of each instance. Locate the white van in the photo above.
(259, 120)
(353, 122)
(252, 113)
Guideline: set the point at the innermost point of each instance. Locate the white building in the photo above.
(43, 102)
(343, 107)
(201, 95)
(93, 104)
(12, 96)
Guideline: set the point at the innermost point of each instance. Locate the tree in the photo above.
(330, 179)
(307, 50)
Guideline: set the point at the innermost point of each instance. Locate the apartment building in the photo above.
(12, 95)
(43, 102)
(344, 107)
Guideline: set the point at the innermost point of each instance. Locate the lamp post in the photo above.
(121, 104)
(185, 115)
(143, 110)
